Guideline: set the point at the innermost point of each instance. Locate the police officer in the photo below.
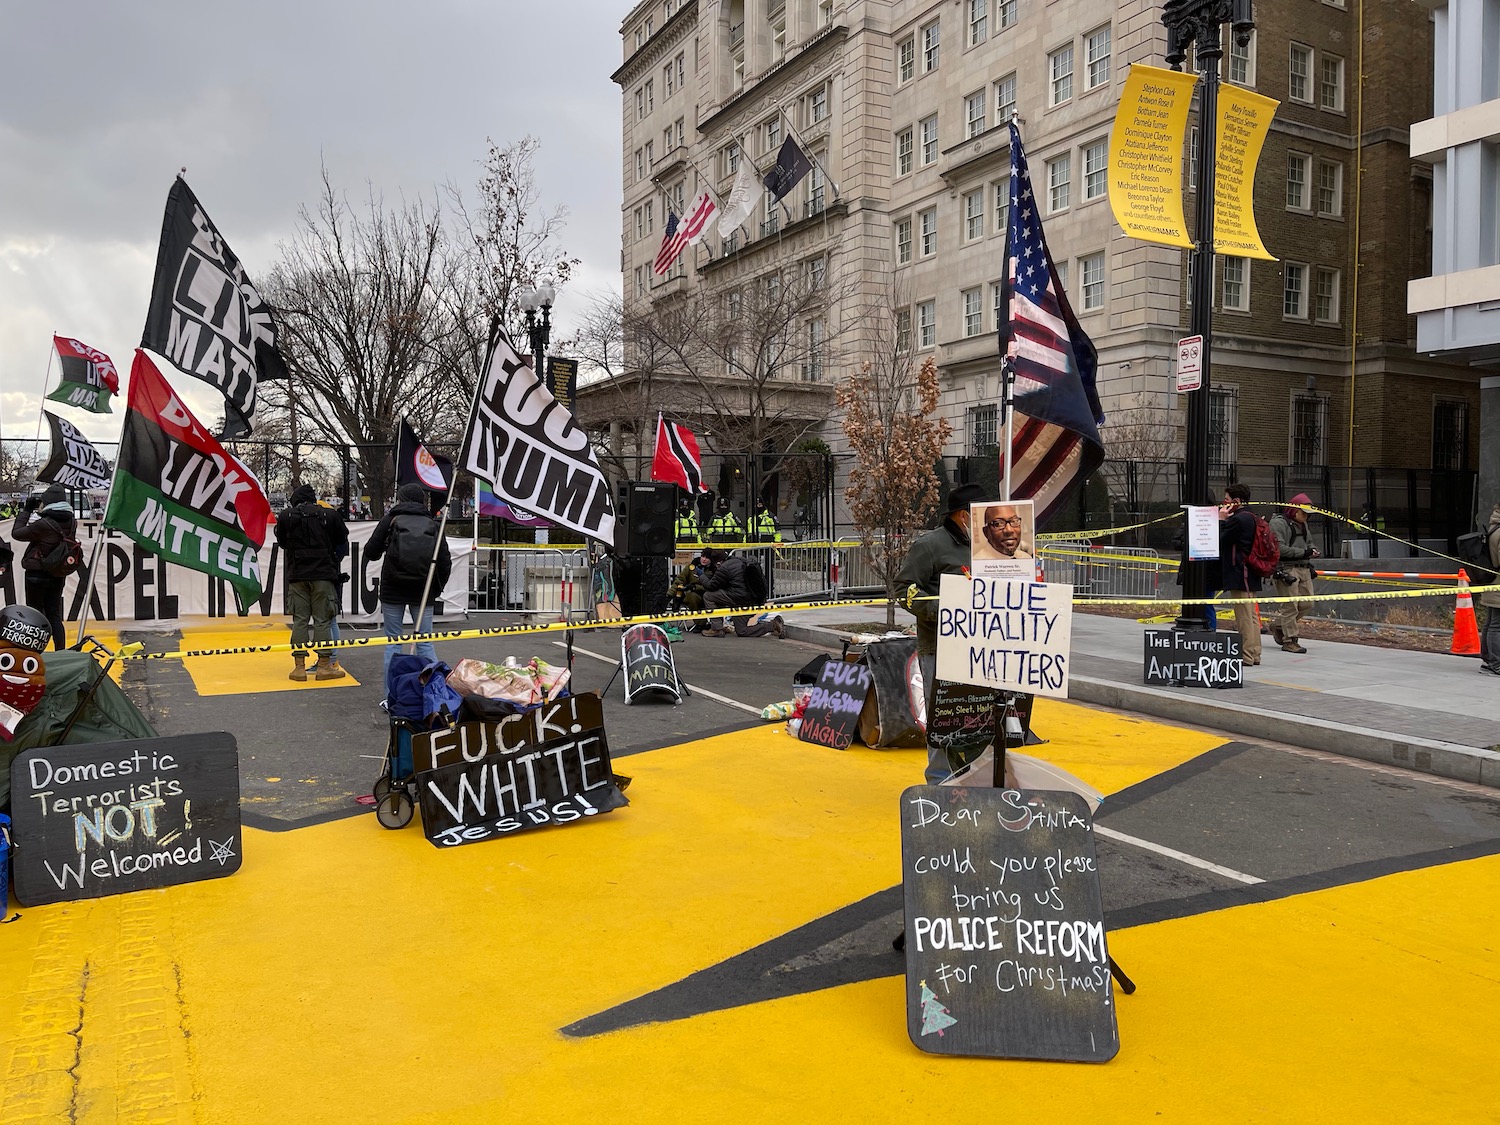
(726, 527)
(763, 527)
(687, 523)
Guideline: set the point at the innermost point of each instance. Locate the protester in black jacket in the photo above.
(42, 524)
(312, 539)
(407, 538)
(1236, 537)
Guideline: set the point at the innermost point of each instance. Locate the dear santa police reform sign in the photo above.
(1005, 633)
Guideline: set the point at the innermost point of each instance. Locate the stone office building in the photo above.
(905, 104)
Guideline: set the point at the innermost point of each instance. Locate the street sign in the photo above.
(1189, 363)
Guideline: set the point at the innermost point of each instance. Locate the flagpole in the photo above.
(46, 379)
(114, 478)
(805, 147)
(1007, 361)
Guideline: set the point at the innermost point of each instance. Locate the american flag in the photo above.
(1056, 429)
(679, 233)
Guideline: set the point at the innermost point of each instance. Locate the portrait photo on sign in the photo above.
(1003, 538)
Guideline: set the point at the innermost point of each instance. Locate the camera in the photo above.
(1281, 574)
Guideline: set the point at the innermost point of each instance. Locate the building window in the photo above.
(1450, 434)
(929, 140)
(1296, 181)
(1096, 57)
(825, 12)
(1294, 291)
(1326, 295)
(666, 139)
(1192, 159)
(1096, 170)
(778, 36)
(903, 152)
(974, 114)
(668, 80)
(1299, 72)
(813, 368)
(1059, 182)
(681, 132)
(640, 104)
(973, 312)
(979, 22)
(974, 215)
(1223, 429)
(1002, 206)
(640, 222)
(640, 37)
(1331, 83)
(650, 153)
(903, 241)
(928, 221)
(1309, 429)
(640, 165)
(1060, 276)
(1237, 284)
(1061, 66)
(930, 40)
(1242, 61)
(1005, 99)
(815, 182)
(1330, 188)
(773, 134)
(927, 324)
(984, 430)
(903, 331)
(997, 301)
(681, 84)
(1091, 281)
(650, 222)
(817, 106)
(640, 281)
(731, 160)
(906, 59)
(817, 273)
(1007, 10)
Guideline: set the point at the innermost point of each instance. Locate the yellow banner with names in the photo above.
(1145, 155)
(1244, 121)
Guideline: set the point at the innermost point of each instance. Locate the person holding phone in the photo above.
(1236, 537)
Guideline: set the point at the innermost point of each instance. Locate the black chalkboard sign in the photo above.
(560, 781)
(646, 652)
(1193, 658)
(469, 742)
(1005, 946)
(962, 722)
(833, 706)
(111, 817)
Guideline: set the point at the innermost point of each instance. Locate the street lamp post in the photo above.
(538, 329)
(1200, 23)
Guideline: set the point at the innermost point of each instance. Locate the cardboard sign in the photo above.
(833, 707)
(1004, 634)
(469, 742)
(560, 781)
(1193, 658)
(890, 716)
(1006, 954)
(646, 652)
(111, 817)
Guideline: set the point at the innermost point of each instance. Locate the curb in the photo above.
(1473, 764)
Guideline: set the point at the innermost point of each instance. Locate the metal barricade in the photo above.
(530, 580)
(1068, 561)
(1124, 572)
(798, 571)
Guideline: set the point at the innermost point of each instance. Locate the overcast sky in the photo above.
(102, 101)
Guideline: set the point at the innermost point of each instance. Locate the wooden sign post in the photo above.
(1006, 954)
(111, 817)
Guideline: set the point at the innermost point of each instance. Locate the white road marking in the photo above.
(1173, 853)
(694, 688)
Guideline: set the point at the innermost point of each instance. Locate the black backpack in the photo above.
(755, 583)
(1474, 549)
(411, 548)
(66, 556)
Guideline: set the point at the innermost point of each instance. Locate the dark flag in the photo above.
(416, 464)
(1056, 443)
(205, 316)
(181, 494)
(89, 378)
(676, 459)
(528, 447)
(791, 165)
(74, 463)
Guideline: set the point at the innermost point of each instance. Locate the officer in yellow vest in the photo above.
(687, 523)
(763, 527)
(726, 527)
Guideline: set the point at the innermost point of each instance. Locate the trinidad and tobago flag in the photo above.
(182, 495)
(677, 460)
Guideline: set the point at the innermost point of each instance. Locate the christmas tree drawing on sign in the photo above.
(935, 1017)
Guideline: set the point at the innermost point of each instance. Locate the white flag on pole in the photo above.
(742, 199)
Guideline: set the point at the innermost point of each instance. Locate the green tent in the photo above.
(108, 717)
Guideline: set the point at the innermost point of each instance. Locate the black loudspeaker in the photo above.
(642, 585)
(650, 519)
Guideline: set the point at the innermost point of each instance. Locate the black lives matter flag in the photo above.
(527, 446)
(74, 463)
(181, 494)
(89, 378)
(205, 316)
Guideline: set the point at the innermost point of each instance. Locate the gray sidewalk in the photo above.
(1419, 710)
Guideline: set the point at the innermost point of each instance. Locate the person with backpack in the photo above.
(1237, 535)
(1294, 576)
(729, 586)
(407, 539)
(312, 539)
(1489, 639)
(49, 529)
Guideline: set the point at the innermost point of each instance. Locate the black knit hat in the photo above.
(304, 494)
(964, 495)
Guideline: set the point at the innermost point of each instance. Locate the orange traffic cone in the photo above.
(1465, 628)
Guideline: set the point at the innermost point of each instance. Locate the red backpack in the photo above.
(1265, 554)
